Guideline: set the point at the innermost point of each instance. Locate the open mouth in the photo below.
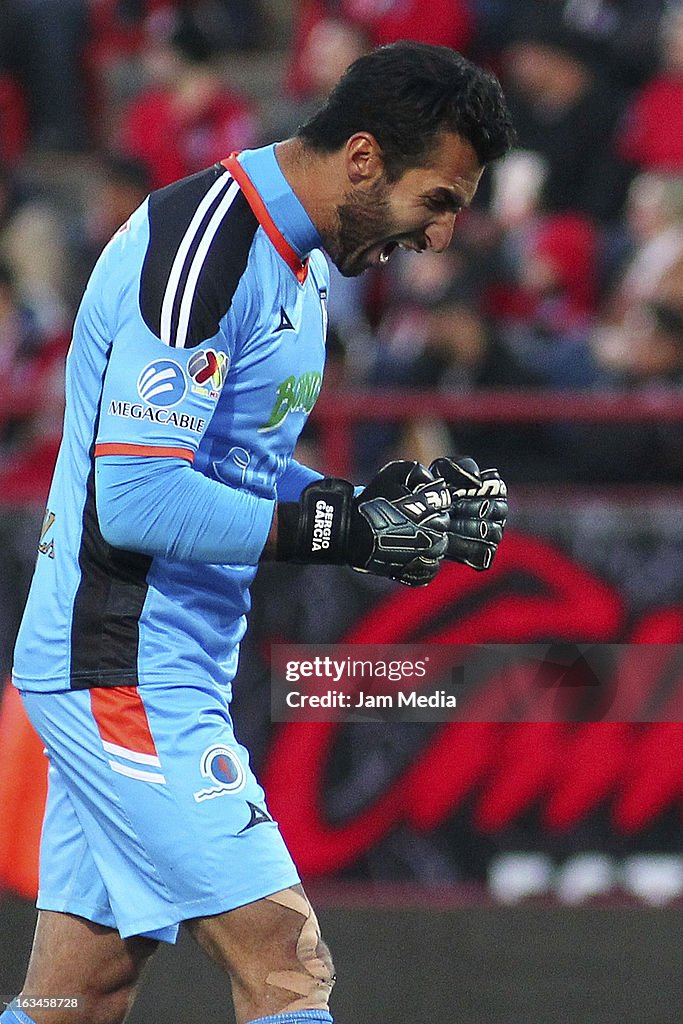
(387, 251)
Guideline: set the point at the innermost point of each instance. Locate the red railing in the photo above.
(336, 413)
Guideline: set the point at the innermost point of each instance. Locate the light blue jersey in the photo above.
(197, 354)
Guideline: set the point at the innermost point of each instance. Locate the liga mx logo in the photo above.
(208, 370)
(162, 383)
(222, 765)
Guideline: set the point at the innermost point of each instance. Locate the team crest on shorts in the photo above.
(222, 765)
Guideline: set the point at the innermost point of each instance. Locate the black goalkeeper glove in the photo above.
(478, 513)
(395, 527)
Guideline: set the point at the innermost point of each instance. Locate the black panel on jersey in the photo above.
(171, 211)
(108, 605)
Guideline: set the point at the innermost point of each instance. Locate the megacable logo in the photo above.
(162, 383)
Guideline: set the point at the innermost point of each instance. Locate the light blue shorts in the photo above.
(153, 814)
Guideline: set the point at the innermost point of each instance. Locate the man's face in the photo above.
(416, 212)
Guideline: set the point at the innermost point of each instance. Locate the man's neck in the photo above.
(314, 178)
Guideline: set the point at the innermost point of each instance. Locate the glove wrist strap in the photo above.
(316, 530)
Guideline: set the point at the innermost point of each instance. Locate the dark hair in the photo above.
(406, 94)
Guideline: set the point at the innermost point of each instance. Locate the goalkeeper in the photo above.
(197, 354)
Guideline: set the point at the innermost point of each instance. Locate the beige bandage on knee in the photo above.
(313, 983)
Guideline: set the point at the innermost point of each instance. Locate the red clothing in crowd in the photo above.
(568, 242)
(36, 415)
(13, 121)
(653, 135)
(442, 22)
(174, 142)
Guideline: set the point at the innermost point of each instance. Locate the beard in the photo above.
(363, 219)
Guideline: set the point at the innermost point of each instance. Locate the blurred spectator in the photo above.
(19, 349)
(462, 353)
(516, 188)
(643, 353)
(566, 111)
(117, 26)
(433, 337)
(535, 260)
(652, 138)
(625, 31)
(30, 379)
(41, 44)
(456, 351)
(33, 244)
(324, 52)
(646, 349)
(188, 117)
(416, 285)
(547, 311)
(654, 222)
(445, 22)
(622, 33)
(232, 24)
(560, 273)
(118, 186)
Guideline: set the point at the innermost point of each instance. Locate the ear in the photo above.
(364, 160)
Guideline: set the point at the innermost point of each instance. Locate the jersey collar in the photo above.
(276, 206)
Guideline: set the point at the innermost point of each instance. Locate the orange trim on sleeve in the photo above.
(288, 254)
(144, 449)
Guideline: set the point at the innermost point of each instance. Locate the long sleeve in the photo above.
(161, 506)
(294, 479)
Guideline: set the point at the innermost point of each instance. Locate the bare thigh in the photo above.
(273, 952)
(72, 957)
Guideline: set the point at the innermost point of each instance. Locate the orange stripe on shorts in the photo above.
(121, 718)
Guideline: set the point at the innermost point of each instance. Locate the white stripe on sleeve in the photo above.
(181, 255)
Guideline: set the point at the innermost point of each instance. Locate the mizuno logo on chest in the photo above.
(285, 323)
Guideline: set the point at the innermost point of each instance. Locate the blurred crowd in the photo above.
(566, 274)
